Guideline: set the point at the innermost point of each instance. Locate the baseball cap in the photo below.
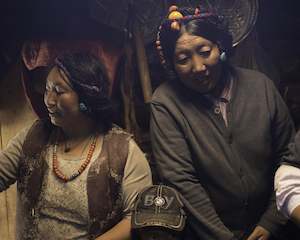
(159, 205)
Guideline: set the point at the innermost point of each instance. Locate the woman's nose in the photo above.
(50, 98)
(198, 64)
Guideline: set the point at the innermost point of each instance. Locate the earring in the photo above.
(223, 57)
(82, 107)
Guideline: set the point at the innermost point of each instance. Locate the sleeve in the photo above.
(287, 188)
(137, 175)
(293, 158)
(176, 169)
(9, 160)
(282, 130)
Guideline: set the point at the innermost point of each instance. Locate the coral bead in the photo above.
(175, 26)
(173, 8)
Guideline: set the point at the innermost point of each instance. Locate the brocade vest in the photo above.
(105, 176)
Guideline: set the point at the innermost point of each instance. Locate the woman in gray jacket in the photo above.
(217, 131)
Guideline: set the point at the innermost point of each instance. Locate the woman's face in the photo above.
(196, 62)
(61, 100)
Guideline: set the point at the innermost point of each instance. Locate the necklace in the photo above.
(59, 173)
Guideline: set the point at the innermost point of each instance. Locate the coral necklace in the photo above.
(58, 172)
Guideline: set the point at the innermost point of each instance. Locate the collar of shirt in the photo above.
(227, 92)
(225, 96)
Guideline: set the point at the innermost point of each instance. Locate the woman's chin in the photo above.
(55, 121)
(203, 88)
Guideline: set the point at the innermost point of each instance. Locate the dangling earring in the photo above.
(223, 57)
(82, 107)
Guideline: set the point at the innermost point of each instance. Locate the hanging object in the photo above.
(241, 16)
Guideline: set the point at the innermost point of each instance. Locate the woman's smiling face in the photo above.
(196, 62)
(61, 100)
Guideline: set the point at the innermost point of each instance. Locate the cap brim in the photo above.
(174, 222)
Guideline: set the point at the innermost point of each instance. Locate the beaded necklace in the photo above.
(83, 166)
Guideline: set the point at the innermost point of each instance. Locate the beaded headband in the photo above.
(61, 66)
(91, 88)
(174, 18)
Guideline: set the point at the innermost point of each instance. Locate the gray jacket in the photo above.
(225, 174)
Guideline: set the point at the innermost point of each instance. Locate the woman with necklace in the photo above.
(77, 175)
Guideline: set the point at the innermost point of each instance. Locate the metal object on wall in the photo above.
(240, 14)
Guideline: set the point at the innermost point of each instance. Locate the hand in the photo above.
(259, 233)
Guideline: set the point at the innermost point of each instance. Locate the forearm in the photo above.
(272, 220)
(202, 215)
(8, 170)
(282, 132)
(121, 231)
(9, 161)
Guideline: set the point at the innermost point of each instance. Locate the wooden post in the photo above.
(142, 63)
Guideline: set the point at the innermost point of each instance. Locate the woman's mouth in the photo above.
(52, 113)
(202, 80)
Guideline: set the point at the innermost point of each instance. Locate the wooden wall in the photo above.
(15, 114)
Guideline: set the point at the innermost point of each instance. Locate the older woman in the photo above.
(217, 131)
(77, 175)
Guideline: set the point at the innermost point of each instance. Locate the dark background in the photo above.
(277, 28)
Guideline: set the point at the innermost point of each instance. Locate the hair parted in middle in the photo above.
(200, 21)
(88, 77)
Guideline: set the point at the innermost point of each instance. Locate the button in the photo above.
(92, 236)
(217, 110)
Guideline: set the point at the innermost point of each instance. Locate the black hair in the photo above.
(209, 25)
(89, 79)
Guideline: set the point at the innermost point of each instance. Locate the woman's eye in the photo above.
(182, 60)
(205, 53)
(59, 90)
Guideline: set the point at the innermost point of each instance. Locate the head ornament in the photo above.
(173, 20)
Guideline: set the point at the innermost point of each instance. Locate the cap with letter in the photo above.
(159, 205)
